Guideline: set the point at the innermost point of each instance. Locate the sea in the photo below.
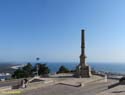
(118, 68)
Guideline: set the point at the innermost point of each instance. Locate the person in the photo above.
(26, 82)
(22, 84)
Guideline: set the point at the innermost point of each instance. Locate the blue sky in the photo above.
(51, 30)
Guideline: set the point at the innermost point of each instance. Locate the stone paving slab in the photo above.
(118, 90)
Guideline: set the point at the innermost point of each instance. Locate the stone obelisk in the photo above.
(83, 70)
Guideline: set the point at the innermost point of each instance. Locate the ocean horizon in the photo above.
(106, 67)
(118, 68)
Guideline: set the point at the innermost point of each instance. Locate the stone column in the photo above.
(82, 56)
(83, 70)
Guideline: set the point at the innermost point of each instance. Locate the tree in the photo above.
(42, 69)
(23, 72)
(18, 74)
(63, 69)
(28, 67)
(28, 70)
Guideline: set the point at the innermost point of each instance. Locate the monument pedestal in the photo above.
(85, 71)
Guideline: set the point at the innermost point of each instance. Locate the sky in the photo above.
(51, 30)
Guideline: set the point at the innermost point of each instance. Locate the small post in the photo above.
(82, 84)
(105, 78)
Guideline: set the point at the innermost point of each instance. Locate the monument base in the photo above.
(84, 72)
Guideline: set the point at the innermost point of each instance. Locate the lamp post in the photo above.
(37, 66)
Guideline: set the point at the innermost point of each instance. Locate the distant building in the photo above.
(5, 76)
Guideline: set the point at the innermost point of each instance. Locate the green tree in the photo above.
(42, 69)
(19, 73)
(63, 69)
(23, 72)
(28, 70)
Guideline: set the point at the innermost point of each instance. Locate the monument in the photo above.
(83, 70)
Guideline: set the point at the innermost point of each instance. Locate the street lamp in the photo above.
(37, 66)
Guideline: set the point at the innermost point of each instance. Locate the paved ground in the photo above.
(90, 89)
(118, 90)
(68, 86)
(9, 83)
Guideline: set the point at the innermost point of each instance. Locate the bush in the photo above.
(63, 69)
